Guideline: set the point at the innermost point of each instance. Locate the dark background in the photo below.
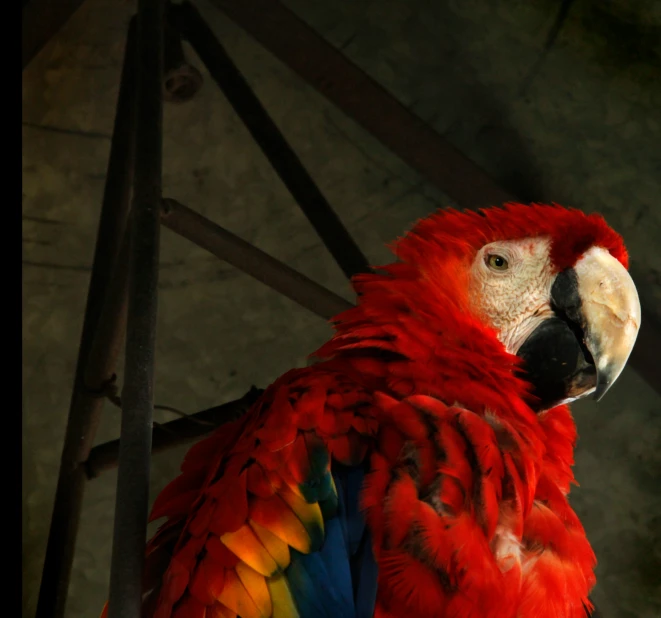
(557, 101)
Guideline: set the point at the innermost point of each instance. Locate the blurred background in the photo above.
(557, 101)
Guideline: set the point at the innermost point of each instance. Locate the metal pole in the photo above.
(253, 261)
(99, 346)
(269, 138)
(130, 530)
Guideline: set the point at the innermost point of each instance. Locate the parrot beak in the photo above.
(583, 347)
(611, 314)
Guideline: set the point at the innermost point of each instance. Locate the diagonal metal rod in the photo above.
(278, 29)
(258, 264)
(175, 433)
(269, 138)
(251, 260)
(132, 501)
(103, 329)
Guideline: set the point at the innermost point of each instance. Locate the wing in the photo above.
(464, 514)
(257, 524)
(468, 517)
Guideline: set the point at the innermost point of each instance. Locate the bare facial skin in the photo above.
(516, 299)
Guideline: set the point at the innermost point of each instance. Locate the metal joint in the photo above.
(181, 80)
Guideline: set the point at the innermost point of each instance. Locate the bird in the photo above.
(422, 464)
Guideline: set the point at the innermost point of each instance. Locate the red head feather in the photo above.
(432, 275)
(450, 232)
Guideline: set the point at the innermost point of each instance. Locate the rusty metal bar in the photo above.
(101, 338)
(110, 332)
(132, 501)
(251, 260)
(175, 433)
(240, 254)
(269, 138)
(327, 70)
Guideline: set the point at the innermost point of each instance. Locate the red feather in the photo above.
(399, 509)
(219, 554)
(178, 496)
(433, 533)
(407, 587)
(230, 491)
(189, 607)
(258, 482)
(349, 449)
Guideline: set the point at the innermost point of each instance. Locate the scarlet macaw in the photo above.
(422, 466)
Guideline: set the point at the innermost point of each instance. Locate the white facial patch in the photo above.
(516, 299)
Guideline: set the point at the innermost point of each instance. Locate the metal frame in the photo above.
(122, 295)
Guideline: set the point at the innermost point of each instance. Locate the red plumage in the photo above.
(466, 501)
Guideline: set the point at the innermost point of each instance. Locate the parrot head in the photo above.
(546, 284)
(552, 282)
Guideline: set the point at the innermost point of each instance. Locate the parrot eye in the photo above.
(497, 262)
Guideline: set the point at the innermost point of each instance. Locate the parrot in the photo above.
(421, 464)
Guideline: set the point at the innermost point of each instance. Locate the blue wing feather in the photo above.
(364, 570)
(339, 580)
